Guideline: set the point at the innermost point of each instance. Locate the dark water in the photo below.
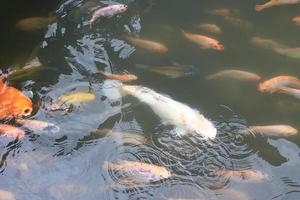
(68, 165)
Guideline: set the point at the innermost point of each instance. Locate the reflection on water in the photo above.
(68, 164)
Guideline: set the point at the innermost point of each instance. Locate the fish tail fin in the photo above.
(209, 77)
(259, 7)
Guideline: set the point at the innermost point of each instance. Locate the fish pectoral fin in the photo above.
(176, 131)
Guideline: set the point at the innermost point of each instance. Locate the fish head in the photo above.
(132, 77)
(263, 87)
(22, 107)
(218, 46)
(123, 8)
(296, 20)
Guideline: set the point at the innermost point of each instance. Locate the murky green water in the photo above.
(68, 165)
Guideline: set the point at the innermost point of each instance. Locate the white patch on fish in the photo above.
(172, 112)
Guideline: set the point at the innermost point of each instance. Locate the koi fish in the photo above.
(38, 126)
(73, 98)
(265, 43)
(120, 77)
(272, 130)
(234, 74)
(221, 12)
(138, 172)
(184, 118)
(34, 23)
(108, 11)
(290, 91)
(275, 3)
(289, 52)
(13, 103)
(245, 175)
(11, 131)
(6, 195)
(296, 20)
(272, 85)
(204, 42)
(152, 46)
(210, 28)
(173, 71)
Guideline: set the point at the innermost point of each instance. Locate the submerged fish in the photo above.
(272, 85)
(73, 98)
(6, 195)
(239, 23)
(296, 20)
(204, 42)
(272, 3)
(234, 74)
(289, 52)
(120, 77)
(148, 45)
(13, 103)
(138, 172)
(272, 130)
(211, 28)
(290, 91)
(245, 175)
(38, 126)
(184, 118)
(173, 71)
(11, 131)
(221, 12)
(265, 43)
(34, 23)
(108, 11)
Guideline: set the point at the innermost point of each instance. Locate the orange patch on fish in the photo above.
(120, 77)
(204, 42)
(272, 85)
(13, 103)
(11, 131)
(296, 20)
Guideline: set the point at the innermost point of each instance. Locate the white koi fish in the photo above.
(184, 118)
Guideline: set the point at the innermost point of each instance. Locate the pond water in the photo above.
(69, 164)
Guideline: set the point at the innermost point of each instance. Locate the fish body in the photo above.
(34, 23)
(290, 91)
(204, 42)
(265, 43)
(221, 12)
(272, 130)
(272, 3)
(13, 103)
(272, 85)
(38, 126)
(211, 28)
(235, 75)
(289, 52)
(246, 175)
(138, 171)
(11, 131)
(173, 71)
(239, 23)
(151, 46)
(172, 112)
(296, 20)
(108, 11)
(120, 77)
(73, 98)
(6, 195)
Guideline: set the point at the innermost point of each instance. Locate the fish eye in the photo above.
(27, 111)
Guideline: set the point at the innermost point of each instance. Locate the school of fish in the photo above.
(184, 119)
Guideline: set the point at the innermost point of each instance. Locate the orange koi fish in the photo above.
(13, 103)
(120, 77)
(11, 131)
